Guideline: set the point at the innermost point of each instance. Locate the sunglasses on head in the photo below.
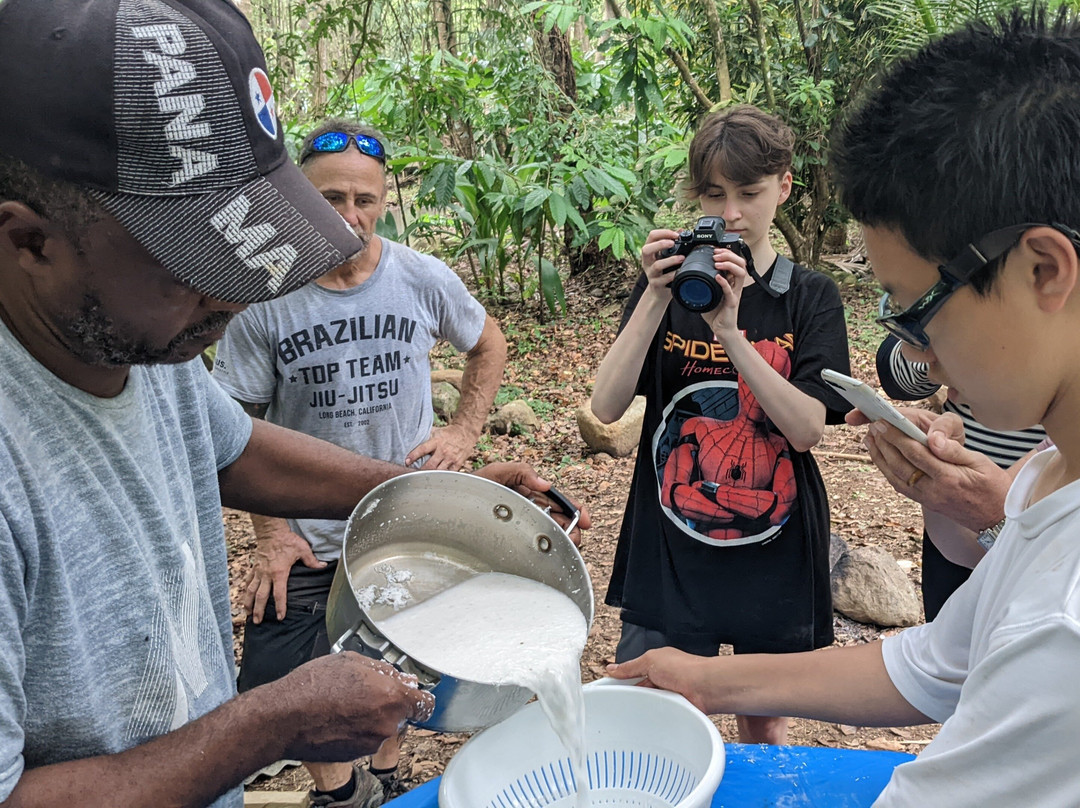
(329, 142)
(910, 324)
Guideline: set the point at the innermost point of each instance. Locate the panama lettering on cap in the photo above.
(163, 111)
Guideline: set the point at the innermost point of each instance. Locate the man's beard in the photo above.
(96, 339)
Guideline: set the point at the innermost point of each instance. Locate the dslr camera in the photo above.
(694, 286)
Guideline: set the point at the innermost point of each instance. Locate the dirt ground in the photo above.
(553, 365)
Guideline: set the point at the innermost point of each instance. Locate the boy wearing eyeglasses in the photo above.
(963, 169)
(345, 358)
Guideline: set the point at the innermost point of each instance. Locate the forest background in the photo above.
(535, 141)
(533, 146)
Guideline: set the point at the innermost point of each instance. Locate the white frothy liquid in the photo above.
(503, 629)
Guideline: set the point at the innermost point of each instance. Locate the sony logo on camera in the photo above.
(694, 285)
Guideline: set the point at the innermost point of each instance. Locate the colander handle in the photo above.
(566, 506)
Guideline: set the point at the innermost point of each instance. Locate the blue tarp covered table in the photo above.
(765, 776)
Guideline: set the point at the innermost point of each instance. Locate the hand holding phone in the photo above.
(870, 404)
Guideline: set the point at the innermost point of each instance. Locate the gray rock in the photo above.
(618, 439)
(869, 586)
(449, 376)
(838, 548)
(513, 418)
(445, 399)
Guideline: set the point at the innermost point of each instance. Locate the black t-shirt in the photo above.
(725, 538)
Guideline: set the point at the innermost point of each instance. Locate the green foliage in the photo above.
(543, 409)
(508, 393)
(514, 159)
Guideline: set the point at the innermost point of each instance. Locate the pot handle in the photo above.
(339, 646)
(566, 506)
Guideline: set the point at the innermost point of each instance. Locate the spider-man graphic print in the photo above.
(724, 475)
(726, 533)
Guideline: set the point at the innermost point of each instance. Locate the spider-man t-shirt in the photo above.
(726, 533)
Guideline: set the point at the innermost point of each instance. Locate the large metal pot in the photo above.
(418, 534)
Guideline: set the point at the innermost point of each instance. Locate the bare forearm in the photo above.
(286, 473)
(957, 543)
(222, 747)
(844, 685)
(267, 527)
(617, 376)
(799, 417)
(481, 378)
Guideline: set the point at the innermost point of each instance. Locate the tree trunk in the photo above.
(557, 56)
(442, 15)
(318, 90)
(763, 51)
(723, 78)
(688, 76)
(797, 243)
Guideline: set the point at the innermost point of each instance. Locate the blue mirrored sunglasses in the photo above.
(339, 141)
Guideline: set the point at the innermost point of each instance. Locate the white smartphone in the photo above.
(870, 404)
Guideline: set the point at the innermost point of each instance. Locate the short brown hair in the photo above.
(742, 143)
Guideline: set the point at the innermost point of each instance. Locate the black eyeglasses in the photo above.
(910, 324)
(339, 141)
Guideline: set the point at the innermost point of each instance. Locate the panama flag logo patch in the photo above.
(262, 101)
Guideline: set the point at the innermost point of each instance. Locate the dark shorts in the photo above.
(275, 647)
(636, 640)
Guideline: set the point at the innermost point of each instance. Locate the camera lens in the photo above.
(695, 294)
(694, 286)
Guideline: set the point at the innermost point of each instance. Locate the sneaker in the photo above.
(393, 787)
(368, 794)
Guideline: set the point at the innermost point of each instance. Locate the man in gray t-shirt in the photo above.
(146, 197)
(345, 358)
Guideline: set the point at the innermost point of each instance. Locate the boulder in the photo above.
(869, 586)
(445, 399)
(838, 548)
(618, 439)
(513, 418)
(449, 376)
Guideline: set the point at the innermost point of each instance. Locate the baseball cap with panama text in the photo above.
(163, 112)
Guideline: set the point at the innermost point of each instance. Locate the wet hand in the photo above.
(343, 706)
(667, 669)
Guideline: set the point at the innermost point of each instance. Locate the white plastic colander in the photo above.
(645, 749)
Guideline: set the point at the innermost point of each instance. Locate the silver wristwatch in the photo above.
(988, 536)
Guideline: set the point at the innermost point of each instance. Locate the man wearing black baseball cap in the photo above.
(145, 198)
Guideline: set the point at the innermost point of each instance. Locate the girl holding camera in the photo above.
(725, 538)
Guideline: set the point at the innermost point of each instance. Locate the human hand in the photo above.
(448, 448)
(521, 477)
(731, 275)
(942, 476)
(669, 669)
(344, 705)
(277, 549)
(659, 270)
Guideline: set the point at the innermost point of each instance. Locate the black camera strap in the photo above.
(779, 280)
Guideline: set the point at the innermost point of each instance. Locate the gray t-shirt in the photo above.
(351, 366)
(114, 601)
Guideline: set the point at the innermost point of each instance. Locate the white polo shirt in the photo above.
(999, 667)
